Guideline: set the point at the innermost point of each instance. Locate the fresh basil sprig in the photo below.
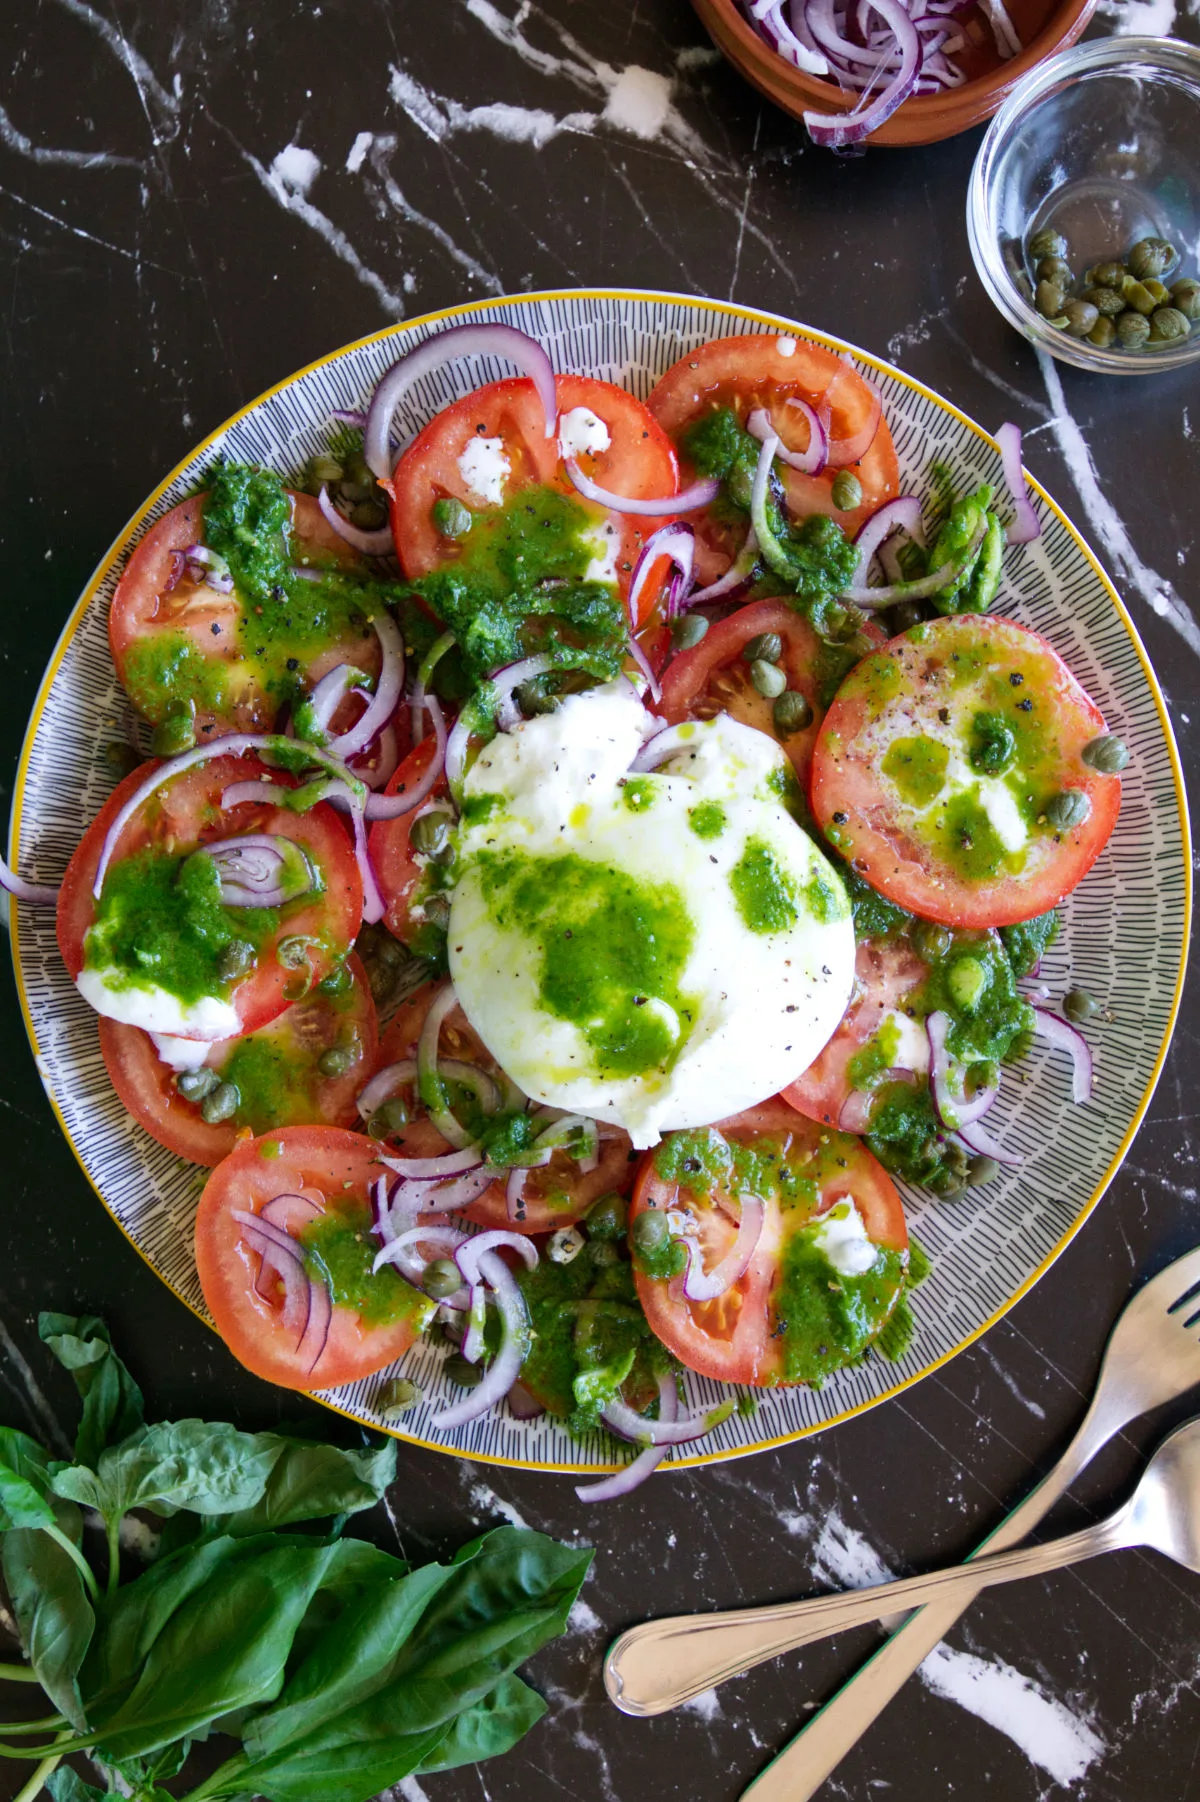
(338, 1668)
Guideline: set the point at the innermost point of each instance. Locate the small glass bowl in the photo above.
(1100, 143)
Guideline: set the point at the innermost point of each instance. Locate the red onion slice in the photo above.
(809, 462)
(953, 1110)
(623, 1481)
(663, 746)
(522, 1405)
(384, 1083)
(1062, 1037)
(1025, 525)
(276, 1236)
(341, 793)
(737, 577)
(843, 452)
(470, 1253)
(214, 572)
(503, 341)
(38, 894)
(451, 1163)
(380, 771)
(789, 43)
(688, 500)
(900, 515)
(621, 1420)
(388, 690)
(259, 870)
(923, 586)
(512, 676)
(371, 544)
(427, 1067)
(505, 1367)
(975, 1137)
(390, 807)
(401, 1249)
(287, 1211)
(316, 1330)
(678, 542)
(643, 662)
(442, 1197)
(325, 698)
(705, 1285)
(857, 1109)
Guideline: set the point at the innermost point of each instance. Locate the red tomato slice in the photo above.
(738, 1338)
(639, 465)
(393, 859)
(883, 791)
(749, 372)
(276, 1070)
(714, 677)
(886, 971)
(334, 1170)
(185, 814)
(555, 1195)
(153, 599)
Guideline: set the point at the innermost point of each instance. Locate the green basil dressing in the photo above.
(339, 1249)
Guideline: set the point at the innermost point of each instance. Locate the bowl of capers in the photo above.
(1084, 206)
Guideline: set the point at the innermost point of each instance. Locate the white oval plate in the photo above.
(1126, 927)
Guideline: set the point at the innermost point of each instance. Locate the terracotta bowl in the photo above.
(1042, 26)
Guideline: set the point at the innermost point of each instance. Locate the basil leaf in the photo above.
(112, 1401)
(489, 1727)
(206, 1466)
(24, 1481)
(66, 1785)
(52, 1607)
(310, 1480)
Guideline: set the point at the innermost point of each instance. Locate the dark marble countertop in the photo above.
(200, 196)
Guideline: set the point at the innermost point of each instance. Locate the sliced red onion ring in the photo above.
(621, 1420)
(705, 1285)
(1025, 525)
(508, 714)
(455, 755)
(678, 542)
(316, 1330)
(427, 1068)
(354, 417)
(859, 1104)
(289, 1210)
(623, 1481)
(38, 894)
(514, 1188)
(953, 1110)
(663, 746)
(413, 1197)
(1061, 1037)
(371, 544)
(259, 870)
(401, 1250)
(809, 462)
(505, 1367)
(483, 1085)
(474, 1345)
(473, 1250)
(277, 1236)
(387, 755)
(445, 347)
(388, 690)
(341, 793)
(900, 515)
(384, 1083)
(239, 792)
(643, 662)
(450, 1163)
(688, 500)
(975, 1137)
(390, 807)
(330, 691)
(215, 572)
(843, 452)
(522, 1405)
(382, 1224)
(923, 586)
(736, 578)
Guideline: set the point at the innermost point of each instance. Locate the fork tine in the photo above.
(1188, 1295)
(1182, 1277)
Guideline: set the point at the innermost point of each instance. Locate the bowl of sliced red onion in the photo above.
(897, 72)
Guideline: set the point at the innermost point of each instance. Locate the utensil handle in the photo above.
(798, 1772)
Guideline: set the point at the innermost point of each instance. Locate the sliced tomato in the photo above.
(886, 971)
(935, 766)
(276, 1071)
(157, 607)
(186, 814)
(743, 1336)
(558, 1193)
(375, 1318)
(639, 465)
(401, 877)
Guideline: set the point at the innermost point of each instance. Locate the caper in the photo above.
(650, 1231)
(396, 1396)
(1048, 299)
(1185, 298)
(606, 1218)
(1056, 270)
(766, 647)
(324, 469)
(1158, 290)
(533, 698)
(460, 1372)
(1138, 296)
(368, 516)
(981, 1170)
(1107, 275)
(966, 979)
(338, 981)
(221, 1104)
(1070, 807)
(931, 942)
(1047, 243)
(1079, 1006)
(903, 616)
(389, 1117)
(437, 912)
(337, 1060)
(120, 759)
(176, 733)
(846, 492)
(767, 678)
(1107, 754)
(1103, 334)
(1151, 256)
(450, 518)
(236, 960)
(430, 834)
(605, 1254)
(564, 1246)
(1107, 302)
(688, 630)
(1081, 316)
(1168, 324)
(1132, 331)
(360, 473)
(442, 1278)
(859, 646)
(194, 1085)
(792, 712)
